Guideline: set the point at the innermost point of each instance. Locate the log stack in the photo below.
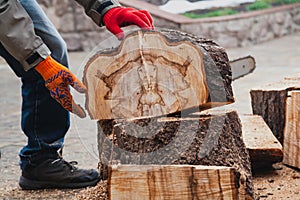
(142, 94)
(269, 101)
(211, 140)
(278, 104)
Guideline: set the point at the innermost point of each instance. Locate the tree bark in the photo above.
(201, 140)
(156, 73)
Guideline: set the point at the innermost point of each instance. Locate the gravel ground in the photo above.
(280, 182)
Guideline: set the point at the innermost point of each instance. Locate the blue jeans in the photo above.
(44, 121)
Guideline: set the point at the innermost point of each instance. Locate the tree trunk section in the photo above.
(171, 182)
(269, 101)
(292, 131)
(201, 140)
(155, 74)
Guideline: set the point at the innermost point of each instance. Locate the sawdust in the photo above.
(279, 182)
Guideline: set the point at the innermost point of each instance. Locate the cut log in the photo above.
(201, 140)
(172, 182)
(269, 101)
(292, 131)
(263, 147)
(157, 73)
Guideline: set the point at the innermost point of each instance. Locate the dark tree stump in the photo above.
(203, 140)
(269, 101)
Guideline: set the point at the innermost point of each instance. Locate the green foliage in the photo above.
(258, 5)
(282, 2)
(215, 13)
(286, 1)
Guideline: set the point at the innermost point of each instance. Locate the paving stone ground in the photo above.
(275, 60)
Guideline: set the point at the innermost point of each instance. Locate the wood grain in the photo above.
(292, 131)
(153, 74)
(264, 148)
(172, 182)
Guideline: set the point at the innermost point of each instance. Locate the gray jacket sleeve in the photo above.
(17, 32)
(96, 9)
(17, 35)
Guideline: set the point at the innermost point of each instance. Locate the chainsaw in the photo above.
(242, 66)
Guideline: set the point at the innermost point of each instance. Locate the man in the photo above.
(36, 52)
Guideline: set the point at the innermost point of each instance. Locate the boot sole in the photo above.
(27, 184)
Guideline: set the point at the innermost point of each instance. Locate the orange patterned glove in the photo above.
(57, 80)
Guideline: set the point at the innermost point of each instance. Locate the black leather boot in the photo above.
(57, 173)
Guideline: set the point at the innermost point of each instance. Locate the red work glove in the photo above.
(119, 17)
(57, 80)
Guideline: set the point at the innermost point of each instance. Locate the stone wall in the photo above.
(235, 30)
(250, 29)
(246, 29)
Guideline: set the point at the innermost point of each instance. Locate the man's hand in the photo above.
(57, 80)
(119, 17)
